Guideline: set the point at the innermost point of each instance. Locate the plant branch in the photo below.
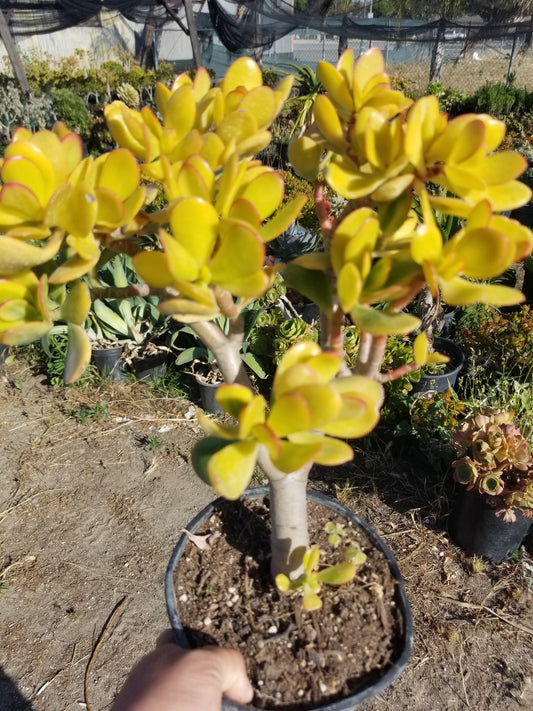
(226, 349)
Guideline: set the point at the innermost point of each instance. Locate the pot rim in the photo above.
(348, 703)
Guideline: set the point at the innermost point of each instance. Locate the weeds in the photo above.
(84, 414)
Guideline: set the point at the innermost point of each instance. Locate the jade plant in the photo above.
(203, 254)
(497, 462)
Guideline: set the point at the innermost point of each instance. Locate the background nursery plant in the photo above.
(63, 216)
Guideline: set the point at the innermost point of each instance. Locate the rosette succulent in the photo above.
(497, 462)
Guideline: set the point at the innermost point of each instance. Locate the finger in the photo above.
(234, 677)
(166, 637)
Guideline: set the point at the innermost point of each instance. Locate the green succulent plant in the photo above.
(497, 462)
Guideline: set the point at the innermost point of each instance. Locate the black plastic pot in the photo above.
(476, 529)
(108, 362)
(208, 393)
(150, 367)
(349, 703)
(442, 381)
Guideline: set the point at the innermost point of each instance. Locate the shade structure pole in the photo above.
(12, 53)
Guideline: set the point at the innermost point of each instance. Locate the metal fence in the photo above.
(466, 65)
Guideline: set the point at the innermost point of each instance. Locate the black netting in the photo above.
(248, 24)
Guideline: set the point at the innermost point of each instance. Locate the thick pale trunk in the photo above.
(288, 516)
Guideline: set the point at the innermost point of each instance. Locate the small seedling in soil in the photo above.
(336, 532)
(96, 411)
(153, 443)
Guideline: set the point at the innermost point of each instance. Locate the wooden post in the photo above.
(13, 54)
(193, 33)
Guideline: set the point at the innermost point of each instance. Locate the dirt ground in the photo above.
(93, 498)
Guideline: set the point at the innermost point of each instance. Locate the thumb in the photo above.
(233, 675)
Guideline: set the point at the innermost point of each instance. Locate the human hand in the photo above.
(173, 679)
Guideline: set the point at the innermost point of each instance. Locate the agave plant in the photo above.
(374, 147)
(497, 462)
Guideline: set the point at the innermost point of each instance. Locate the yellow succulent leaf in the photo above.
(451, 206)
(187, 311)
(181, 263)
(335, 81)
(345, 65)
(236, 238)
(11, 289)
(195, 223)
(18, 169)
(426, 244)
(363, 241)
(297, 354)
(133, 205)
(72, 208)
(356, 419)
(245, 211)
(78, 353)
(261, 102)
(110, 211)
(507, 196)
(495, 131)
(266, 436)
(323, 401)
(333, 452)
(283, 218)
(218, 429)
(459, 292)
(190, 183)
(77, 304)
(229, 182)
(393, 188)
(251, 415)
(459, 141)
(265, 192)
(349, 184)
(460, 178)
(237, 126)
(519, 235)
(367, 66)
(328, 122)
(326, 365)
(17, 256)
(119, 173)
(16, 310)
(348, 230)
(349, 286)
(318, 261)
(420, 348)
(232, 397)
(49, 143)
(72, 147)
(212, 149)
(502, 167)
(304, 155)
(18, 204)
(360, 387)
(254, 144)
(289, 413)
(28, 149)
(231, 468)
(377, 279)
(152, 267)
(182, 79)
(283, 89)
(24, 333)
(125, 127)
(250, 286)
(290, 379)
(383, 323)
(180, 111)
(162, 95)
(294, 456)
(437, 358)
(243, 72)
(201, 83)
(484, 253)
(74, 268)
